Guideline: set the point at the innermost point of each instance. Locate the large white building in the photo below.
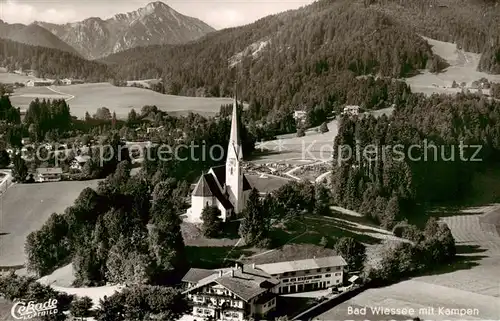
(225, 186)
(306, 275)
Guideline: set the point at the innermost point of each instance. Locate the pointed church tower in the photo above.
(234, 173)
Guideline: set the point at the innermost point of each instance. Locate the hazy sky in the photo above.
(217, 13)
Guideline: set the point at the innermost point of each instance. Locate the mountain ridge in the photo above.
(154, 24)
(34, 35)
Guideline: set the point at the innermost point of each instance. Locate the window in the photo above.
(328, 275)
(285, 274)
(337, 268)
(328, 269)
(292, 273)
(293, 280)
(307, 271)
(327, 282)
(285, 280)
(338, 274)
(318, 270)
(338, 281)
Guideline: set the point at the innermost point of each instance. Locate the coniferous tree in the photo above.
(212, 222)
(254, 225)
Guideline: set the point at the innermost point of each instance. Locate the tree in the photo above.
(322, 200)
(103, 113)
(132, 116)
(4, 159)
(352, 251)
(301, 132)
(80, 307)
(212, 222)
(20, 170)
(323, 128)
(254, 225)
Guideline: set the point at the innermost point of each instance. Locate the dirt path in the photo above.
(61, 93)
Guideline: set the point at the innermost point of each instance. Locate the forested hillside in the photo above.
(474, 25)
(428, 151)
(50, 63)
(303, 58)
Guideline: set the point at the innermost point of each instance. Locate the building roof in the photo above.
(214, 188)
(220, 175)
(202, 188)
(195, 275)
(245, 282)
(55, 170)
(308, 264)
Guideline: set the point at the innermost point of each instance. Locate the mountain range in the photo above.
(93, 38)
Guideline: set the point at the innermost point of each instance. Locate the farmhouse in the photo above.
(307, 275)
(225, 186)
(230, 294)
(38, 83)
(48, 174)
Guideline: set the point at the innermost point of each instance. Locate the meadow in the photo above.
(26, 207)
(9, 78)
(463, 68)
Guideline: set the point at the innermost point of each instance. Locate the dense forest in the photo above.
(51, 63)
(428, 151)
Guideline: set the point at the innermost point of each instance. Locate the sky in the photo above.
(217, 13)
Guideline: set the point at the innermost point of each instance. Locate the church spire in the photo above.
(234, 138)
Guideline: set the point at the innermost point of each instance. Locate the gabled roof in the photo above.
(195, 275)
(210, 179)
(207, 187)
(245, 282)
(202, 188)
(308, 264)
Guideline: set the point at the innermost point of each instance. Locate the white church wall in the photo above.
(198, 203)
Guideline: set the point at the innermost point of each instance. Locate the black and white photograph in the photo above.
(249, 160)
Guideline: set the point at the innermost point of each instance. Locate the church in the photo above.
(224, 186)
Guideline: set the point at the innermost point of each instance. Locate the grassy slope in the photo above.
(25, 209)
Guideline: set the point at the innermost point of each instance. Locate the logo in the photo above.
(24, 311)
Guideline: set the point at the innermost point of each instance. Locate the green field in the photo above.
(26, 207)
(89, 97)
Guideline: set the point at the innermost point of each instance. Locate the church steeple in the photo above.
(234, 138)
(234, 173)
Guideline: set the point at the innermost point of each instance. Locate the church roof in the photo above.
(202, 188)
(214, 188)
(220, 175)
(207, 187)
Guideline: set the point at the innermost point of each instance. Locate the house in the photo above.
(68, 81)
(79, 162)
(351, 110)
(38, 83)
(306, 275)
(230, 294)
(225, 186)
(48, 174)
(300, 116)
